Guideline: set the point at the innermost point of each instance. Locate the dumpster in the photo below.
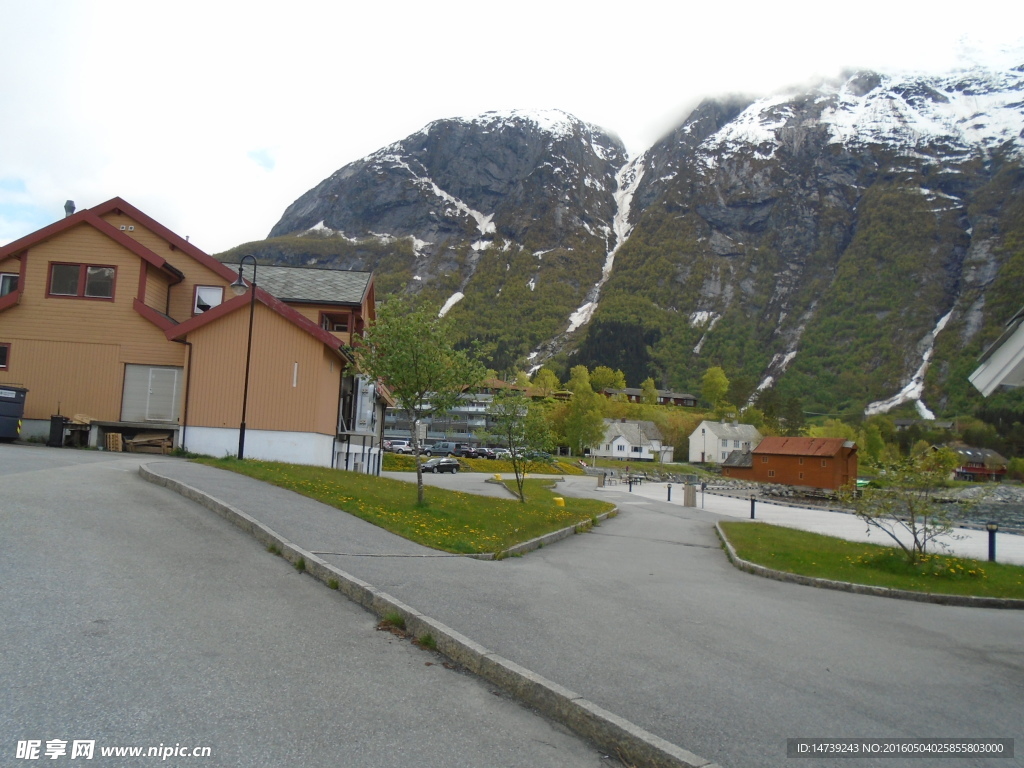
(57, 424)
(12, 408)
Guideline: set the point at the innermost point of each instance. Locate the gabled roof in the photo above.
(985, 456)
(730, 431)
(634, 432)
(92, 217)
(311, 285)
(275, 305)
(803, 446)
(739, 458)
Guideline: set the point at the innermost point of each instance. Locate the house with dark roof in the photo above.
(112, 319)
(665, 396)
(627, 440)
(814, 462)
(978, 464)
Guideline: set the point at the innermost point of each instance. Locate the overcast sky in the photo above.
(212, 117)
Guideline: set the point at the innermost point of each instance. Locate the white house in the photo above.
(632, 441)
(712, 441)
(1002, 365)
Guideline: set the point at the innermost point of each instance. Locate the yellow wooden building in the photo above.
(110, 319)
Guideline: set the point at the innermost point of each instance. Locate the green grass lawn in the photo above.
(463, 523)
(824, 557)
(399, 462)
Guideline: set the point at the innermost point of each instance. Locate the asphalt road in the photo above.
(646, 617)
(133, 617)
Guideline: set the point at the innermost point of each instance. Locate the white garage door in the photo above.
(151, 393)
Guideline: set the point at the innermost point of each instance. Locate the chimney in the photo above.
(69, 208)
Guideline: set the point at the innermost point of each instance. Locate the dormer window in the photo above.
(335, 322)
(207, 297)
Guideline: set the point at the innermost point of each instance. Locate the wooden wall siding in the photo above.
(182, 293)
(76, 377)
(156, 288)
(40, 316)
(218, 376)
(312, 312)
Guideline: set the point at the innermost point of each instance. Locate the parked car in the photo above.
(440, 465)
(483, 452)
(447, 449)
(502, 453)
(399, 446)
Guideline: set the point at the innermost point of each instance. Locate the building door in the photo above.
(151, 393)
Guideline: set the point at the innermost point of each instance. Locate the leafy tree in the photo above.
(833, 428)
(412, 354)
(714, 386)
(521, 425)
(904, 510)
(546, 382)
(584, 420)
(603, 377)
(650, 392)
(753, 416)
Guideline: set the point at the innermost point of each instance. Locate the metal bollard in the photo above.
(670, 491)
(991, 528)
(751, 506)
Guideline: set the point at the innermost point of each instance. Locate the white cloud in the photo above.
(213, 118)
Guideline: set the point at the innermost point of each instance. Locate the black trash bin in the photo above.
(57, 424)
(12, 408)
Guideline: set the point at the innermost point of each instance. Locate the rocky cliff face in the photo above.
(854, 245)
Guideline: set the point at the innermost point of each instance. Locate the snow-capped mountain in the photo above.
(851, 243)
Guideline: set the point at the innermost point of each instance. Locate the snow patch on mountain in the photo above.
(454, 299)
(915, 387)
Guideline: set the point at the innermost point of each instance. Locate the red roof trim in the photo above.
(116, 204)
(275, 305)
(90, 217)
(161, 321)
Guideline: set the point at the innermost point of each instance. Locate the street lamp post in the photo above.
(991, 528)
(238, 288)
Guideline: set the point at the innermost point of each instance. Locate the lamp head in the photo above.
(239, 287)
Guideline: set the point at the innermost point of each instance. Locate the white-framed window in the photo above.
(620, 448)
(5, 355)
(8, 282)
(725, 455)
(637, 449)
(335, 322)
(207, 297)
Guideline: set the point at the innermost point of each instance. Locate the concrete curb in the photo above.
(863, 589)
(630, 743)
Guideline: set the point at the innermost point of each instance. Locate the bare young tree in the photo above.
(905, 509)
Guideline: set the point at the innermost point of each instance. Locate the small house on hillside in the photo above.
(817, 462)
(665, 396)
(978, 464)
(632, 441)
(712, 441)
